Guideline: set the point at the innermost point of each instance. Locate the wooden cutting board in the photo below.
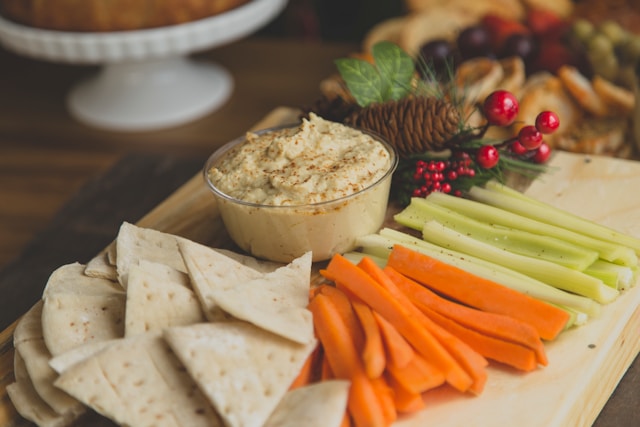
(585, 364)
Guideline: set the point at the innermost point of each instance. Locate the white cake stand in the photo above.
(147, 81)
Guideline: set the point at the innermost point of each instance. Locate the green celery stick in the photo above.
(608, 251)
(513, 240)
(381, 244)
(549, 214)
(614, 275)
(547, 272)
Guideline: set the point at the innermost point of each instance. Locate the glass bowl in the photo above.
(282, 233)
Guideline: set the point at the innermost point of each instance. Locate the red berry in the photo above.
(547, 122)
(517, 148)
(487, 156)
(501, 108)
(542, 153)
(530, 137)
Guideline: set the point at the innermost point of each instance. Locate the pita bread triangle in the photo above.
(28, 342)
(321, 404)
(138, 381)
(210, 270)
(78, 309)
(275, 301)
(30, 405)
(159, 296)
(243, 370)
(134, 243)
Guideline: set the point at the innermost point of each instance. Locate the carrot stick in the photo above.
(306, 374)
(495, 325)
(373, 354)
(470, 360)
(325, 370)
(385, 399)
(478, 292)
(398, 350)
(417, 376)
(344, 359)
(405, 400)
(509, 353)
(346, 420)
(348, 275)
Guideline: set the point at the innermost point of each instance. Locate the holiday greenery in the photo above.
(420, 112)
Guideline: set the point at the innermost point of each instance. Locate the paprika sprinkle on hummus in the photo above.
(315, 162)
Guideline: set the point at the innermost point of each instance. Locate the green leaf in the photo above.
(362, 80)
(396, 69)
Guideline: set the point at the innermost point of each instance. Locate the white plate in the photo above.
(147, 82)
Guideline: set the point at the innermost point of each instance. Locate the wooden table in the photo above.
(65, 187)
(45, 155)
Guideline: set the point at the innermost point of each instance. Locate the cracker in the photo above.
(242, 369)
(275, 301)
(139, 381)
(28, 402)
(209, 270)
(100, 267)
(29, 343)
(77, 354)
(79, 309)
(321, 404)
(159, 296)
(134, 243)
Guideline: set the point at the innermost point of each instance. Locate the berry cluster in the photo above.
(474, 160)
(440, 175)
(501, 108)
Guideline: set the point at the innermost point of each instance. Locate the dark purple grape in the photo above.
(473, 42)
(522, 45)
(439, 55)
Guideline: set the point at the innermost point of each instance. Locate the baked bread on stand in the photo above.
(147, 80)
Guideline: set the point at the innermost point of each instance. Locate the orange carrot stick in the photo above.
(509, 353)
(405, 400)
(478, 292)
(398, 350)
(469, 359)
(417, 376)
(495, 325)
(373, 354)
(346, 274)
(325, 369)
(385, 399)
(344, 359)
(306, 374)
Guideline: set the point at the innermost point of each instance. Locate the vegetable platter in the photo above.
(585, 362)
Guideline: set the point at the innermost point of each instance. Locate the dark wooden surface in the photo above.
(46, 156)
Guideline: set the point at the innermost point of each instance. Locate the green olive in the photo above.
(613, 31)
(582, 30)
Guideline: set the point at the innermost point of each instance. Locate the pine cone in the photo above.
(334, 109)
(413, 124)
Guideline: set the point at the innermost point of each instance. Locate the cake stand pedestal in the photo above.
(147, 79)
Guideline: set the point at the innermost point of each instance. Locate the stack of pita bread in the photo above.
(159, 330)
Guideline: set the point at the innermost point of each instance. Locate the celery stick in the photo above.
(383, 243)
(614, 275)
(355, 258)
(608, 251)
(547, 272)
(544, 212)
(521, 242)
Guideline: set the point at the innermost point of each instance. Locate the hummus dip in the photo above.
(316, 162)
(313, 187)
